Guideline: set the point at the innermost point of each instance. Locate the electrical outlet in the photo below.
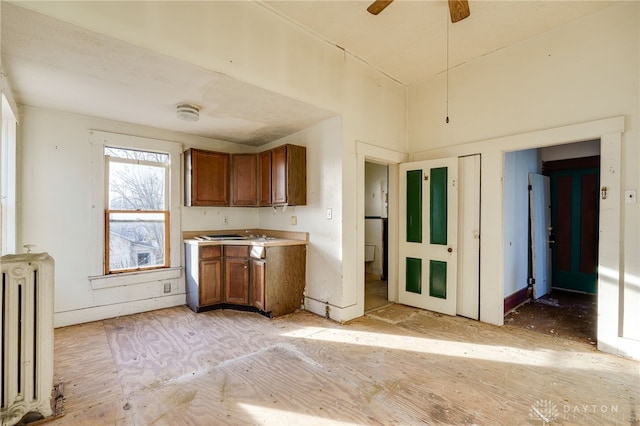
(225, 220)
(167, 287)
(294, 220)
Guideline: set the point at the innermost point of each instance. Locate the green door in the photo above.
(574, 221)
(428, 235)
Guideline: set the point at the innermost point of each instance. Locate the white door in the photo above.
(540, 212)
(428, 234)
(468, 288)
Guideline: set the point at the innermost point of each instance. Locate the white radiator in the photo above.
(26, 328)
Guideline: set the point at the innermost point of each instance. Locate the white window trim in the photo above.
(8, 178)
(98, 140)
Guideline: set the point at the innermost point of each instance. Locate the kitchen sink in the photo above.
(224, 237)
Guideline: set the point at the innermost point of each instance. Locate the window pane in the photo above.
(136, 186)
(136, 240)
(132, 154)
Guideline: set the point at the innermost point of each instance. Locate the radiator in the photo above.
(26, 327)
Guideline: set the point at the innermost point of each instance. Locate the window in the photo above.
(137, 210)
(7, 179)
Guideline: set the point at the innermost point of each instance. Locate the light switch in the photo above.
(329, 214)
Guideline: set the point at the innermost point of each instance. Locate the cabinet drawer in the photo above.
(208, 252)
(236, 251)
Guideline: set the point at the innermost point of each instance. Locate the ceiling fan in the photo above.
(459, 9)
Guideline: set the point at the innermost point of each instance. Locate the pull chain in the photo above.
(447, 76)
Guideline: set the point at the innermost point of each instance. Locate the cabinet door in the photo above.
(258, 268)
(289, 175)
(207, 178)
(279, 175)
(236, 281)
(210, 282)
(244, 180)
(264, 174)
(296, 175)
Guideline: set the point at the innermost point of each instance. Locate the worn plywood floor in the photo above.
(397, 365)
(561, 313)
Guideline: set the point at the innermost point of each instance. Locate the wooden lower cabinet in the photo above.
(236, 281)
(284, 279)
(258, 268)
(204, 275)
(228, 277)
(211, 273)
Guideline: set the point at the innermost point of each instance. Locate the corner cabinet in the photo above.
(206, 178)
(272, 284)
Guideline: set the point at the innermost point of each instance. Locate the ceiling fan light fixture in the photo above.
(188, 112)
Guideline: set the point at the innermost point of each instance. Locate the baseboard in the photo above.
(97, 313)
(515, 299)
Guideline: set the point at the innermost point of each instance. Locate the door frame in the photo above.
(375, 154)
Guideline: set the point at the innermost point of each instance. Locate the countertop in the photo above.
(255, 237)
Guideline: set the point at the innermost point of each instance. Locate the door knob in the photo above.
(450, 250)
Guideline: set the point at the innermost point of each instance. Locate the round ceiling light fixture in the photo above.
(188, 112)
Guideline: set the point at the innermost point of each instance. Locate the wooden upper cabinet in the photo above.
(289, 175)
(274, 177)
(206, 178)
(264, 181)
(244, 180)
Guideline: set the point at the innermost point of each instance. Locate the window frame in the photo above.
(108, 159)
(98, 139)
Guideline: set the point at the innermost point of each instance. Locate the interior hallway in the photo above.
(396, 365)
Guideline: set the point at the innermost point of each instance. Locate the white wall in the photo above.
(581, 72)
(517, 166)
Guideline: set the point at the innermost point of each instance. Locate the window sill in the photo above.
(129, 278)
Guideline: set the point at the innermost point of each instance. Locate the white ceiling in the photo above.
(53, 64)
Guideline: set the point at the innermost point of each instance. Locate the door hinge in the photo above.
(530, 187)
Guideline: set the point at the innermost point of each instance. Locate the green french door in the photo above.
(428, 234)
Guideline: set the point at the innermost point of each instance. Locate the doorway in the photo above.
(569, 310)
(376, 259)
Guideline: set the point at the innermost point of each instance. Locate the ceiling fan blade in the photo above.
(459, 9)
(378, 6)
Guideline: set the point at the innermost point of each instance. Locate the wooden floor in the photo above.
(396, 365)
(375, 293)
(566, 314)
